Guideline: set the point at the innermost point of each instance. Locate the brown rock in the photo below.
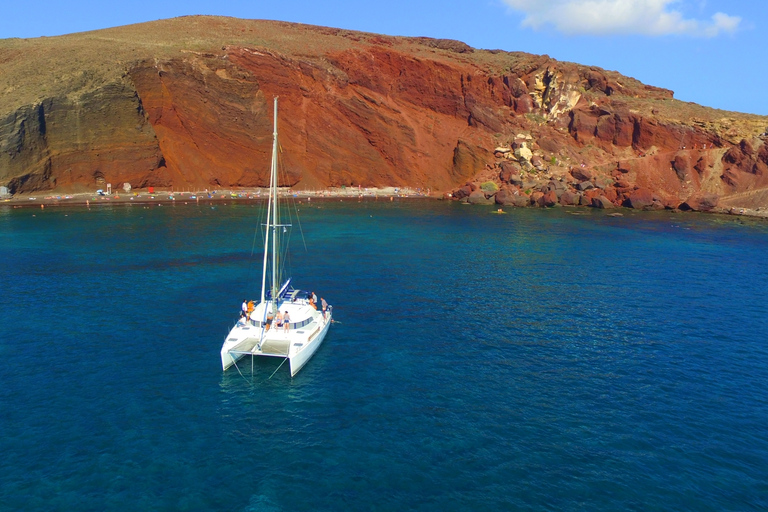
(601, 183)
(602, 202)
(478, 197)
(569, 198)
(536, 198)
(521, 200)
(506, 196)
(538, 163)
(581, 174)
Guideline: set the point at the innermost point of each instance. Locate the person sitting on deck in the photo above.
(286, 321)
(279, 320)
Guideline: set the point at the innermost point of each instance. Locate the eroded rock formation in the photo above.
(356, 109)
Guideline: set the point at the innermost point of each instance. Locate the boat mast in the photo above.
(271, 220)
(275, 219)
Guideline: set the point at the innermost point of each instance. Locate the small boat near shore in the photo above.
(262, 330)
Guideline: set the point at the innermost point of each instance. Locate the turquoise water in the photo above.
(537, 360)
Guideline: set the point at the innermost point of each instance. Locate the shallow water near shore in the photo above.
(537, 360)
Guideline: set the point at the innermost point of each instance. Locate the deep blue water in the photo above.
(537, 360)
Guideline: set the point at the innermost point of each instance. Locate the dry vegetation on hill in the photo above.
(183, 102)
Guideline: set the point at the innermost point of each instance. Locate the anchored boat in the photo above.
(263, 330)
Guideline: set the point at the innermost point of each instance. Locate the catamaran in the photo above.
(263, 330)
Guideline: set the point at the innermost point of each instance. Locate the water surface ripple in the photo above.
(538, 360)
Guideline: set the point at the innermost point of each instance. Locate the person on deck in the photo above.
(286, 321)
(244, 307)
(268, 322)
(279, 320)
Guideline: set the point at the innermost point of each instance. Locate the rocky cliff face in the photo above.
(354, 109)
(83, 142)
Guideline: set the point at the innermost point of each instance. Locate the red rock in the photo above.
(462, 192)
(623, 184)
(606, 128)
(704, 203)
(625, 129)
(503, 196)
(593, 193)
(524, 104)
(549, 199)
(682, 165)
(583, 125)
(536, 198)
(640, 199)
(508, 169)
(691, 204)
(550, 144)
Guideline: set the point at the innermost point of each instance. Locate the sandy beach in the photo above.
(224, 195)
(164, 197)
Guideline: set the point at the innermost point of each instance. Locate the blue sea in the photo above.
(538, 360)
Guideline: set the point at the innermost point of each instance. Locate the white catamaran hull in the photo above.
(298, 344)
(300, 358)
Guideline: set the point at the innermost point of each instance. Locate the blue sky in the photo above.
(710, 52)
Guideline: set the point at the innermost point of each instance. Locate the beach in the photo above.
(144, 196)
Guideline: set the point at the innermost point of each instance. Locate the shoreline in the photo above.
(217, 196)
(164, 197)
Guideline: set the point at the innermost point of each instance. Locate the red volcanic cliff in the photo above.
(185, 103)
